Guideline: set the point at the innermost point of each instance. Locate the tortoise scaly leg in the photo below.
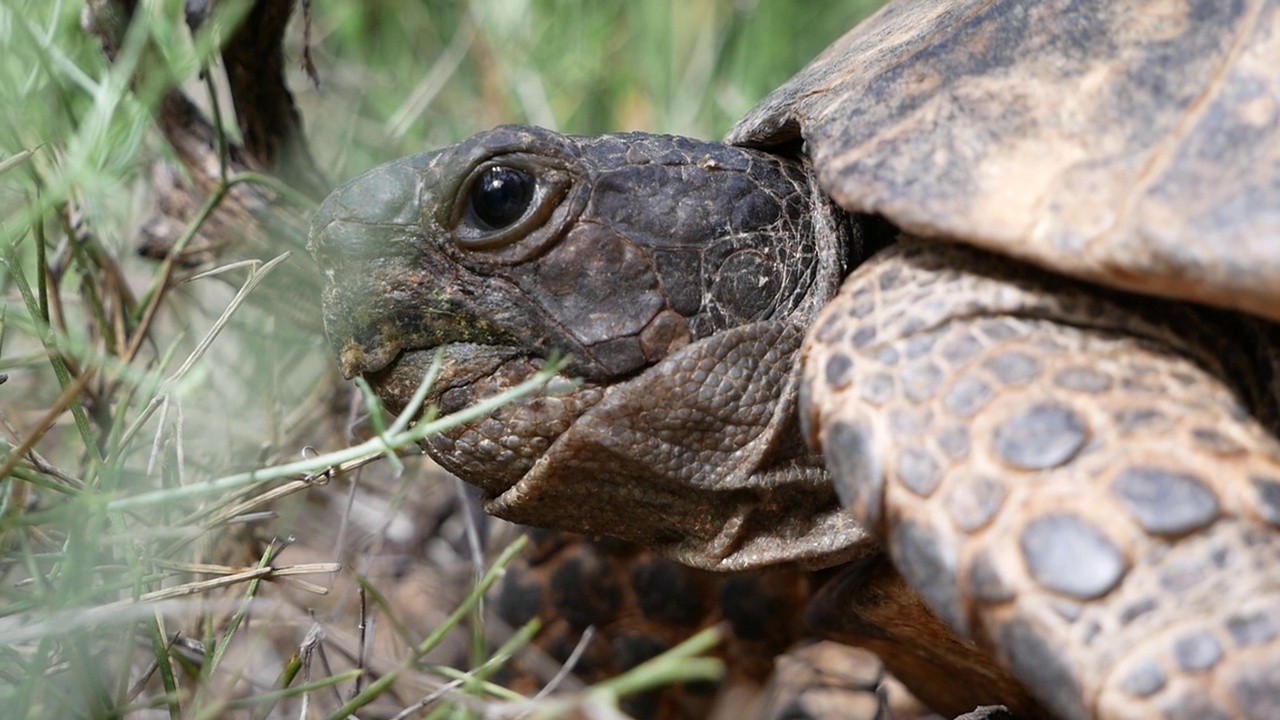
(1067, 475)
(869, 605)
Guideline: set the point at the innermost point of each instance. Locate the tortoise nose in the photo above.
(364, 236)
(386, 196)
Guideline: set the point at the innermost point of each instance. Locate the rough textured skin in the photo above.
(1136, 144)
(698, 453)
(1070, 476)
(1081, 482)
(682, 319)
(868, 604)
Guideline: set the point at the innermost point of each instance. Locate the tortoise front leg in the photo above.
(1071, 477)
(869, 605)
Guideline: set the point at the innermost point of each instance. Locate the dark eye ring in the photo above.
(501, 196)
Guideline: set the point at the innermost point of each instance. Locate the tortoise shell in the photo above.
(1135, 145)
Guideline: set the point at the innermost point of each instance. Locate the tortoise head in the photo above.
(677, 275)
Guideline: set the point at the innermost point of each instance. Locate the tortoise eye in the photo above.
(501, 196)
(506, 201)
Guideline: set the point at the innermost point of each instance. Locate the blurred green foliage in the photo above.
(396, 78)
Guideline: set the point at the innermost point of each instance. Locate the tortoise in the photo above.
(989, 289)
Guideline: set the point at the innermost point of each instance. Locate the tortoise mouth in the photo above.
(396, 378)
(497, 451)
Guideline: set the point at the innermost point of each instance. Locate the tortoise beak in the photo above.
(368, 240)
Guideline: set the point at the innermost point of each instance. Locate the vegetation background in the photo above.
(123, 590)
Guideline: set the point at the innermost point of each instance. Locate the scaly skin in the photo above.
(692, 445)
(1072, 476)
(683, 322)
(1072, 479)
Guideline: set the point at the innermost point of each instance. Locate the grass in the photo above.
(169, 537)
(439, 72)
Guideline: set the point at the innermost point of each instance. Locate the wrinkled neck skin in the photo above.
(679, 277)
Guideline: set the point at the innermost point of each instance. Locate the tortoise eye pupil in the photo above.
(501, 196)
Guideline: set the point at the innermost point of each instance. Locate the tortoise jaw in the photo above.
(462, 365)
(496, 453)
